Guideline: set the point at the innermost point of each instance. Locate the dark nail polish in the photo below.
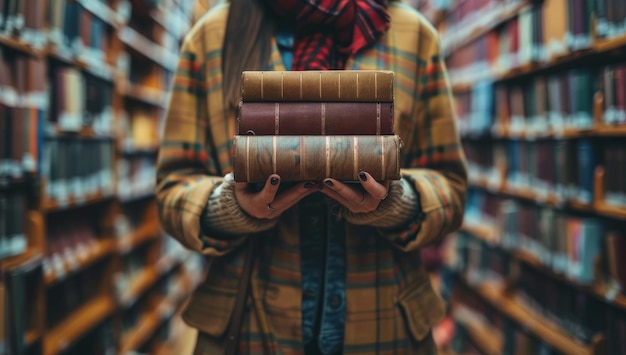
(362, 176)
(274, 181)
(308, 185)
(329, 183)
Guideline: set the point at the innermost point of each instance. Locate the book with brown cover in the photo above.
(313, 158)
(316, 118)
(314, 85)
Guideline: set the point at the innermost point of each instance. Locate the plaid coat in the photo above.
(394, 318)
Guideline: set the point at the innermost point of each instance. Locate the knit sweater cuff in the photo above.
(223, 216)
(399, 208)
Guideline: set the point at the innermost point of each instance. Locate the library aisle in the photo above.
(86, 268)
(539, 266)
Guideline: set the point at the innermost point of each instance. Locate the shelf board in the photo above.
(150, 321)
(136, 196)
(486, 337)
(139, 284)
(146, 326)
(31, 255)
(101, 11)
(77, 324)
(31, 337)
(20, 46)
(148, 231)
(147, 48)
(150, 96)
(482, 231)
(99, 69)
(611, 211)
(611, 131)
(53, 205)
(98, 251)
(538, 325)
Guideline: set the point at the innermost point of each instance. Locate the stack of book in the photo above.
(310, 125)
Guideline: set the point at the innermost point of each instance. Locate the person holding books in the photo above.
(321, 266)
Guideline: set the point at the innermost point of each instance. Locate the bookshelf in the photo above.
(539, 88)
(84, 264)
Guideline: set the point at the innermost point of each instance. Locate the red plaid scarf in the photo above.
(328, 32)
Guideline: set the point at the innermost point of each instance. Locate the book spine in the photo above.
(331, 85)
(313, 158)
(313, 118)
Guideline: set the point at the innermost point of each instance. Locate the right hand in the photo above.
(268, 203)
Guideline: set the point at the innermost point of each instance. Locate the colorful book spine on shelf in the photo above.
(12, 224)
(76, 168)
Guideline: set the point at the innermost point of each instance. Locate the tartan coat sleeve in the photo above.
(187, 170)
(436, 164)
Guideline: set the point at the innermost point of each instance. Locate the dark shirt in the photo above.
(323, 260)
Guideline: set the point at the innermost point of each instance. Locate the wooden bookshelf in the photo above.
(486, 337)
(96, 252)
(533, 127)
(75, 202)
(146, 95)
(20, 46)
(125, 29)
(537, 324)
(78, 323)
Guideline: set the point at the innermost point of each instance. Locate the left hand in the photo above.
(360, 199)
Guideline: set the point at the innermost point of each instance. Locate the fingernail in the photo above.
(274, 181)
(329, 183)
(308, 185)
(362, 176)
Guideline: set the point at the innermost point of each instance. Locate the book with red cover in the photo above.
(316, 118)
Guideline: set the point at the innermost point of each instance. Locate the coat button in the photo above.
(335, 301)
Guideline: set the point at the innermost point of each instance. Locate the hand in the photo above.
(363, 198)
(268, 203)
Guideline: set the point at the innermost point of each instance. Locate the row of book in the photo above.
(12, 224)
(65, 297)
(135, 176)
(471, 312)
(535, 107)
(568, 244)
(18, 292)
(537, 31)
(70, 240)
(561, 305)
(77, 167)
(138, 128)
(22, 80)
(562, 168)
(20, 141)
(80, 100)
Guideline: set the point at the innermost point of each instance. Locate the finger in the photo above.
(338, 197)
(291, 196)
(349, 193)
(355, 199)
(377, 190)
(268, 193)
